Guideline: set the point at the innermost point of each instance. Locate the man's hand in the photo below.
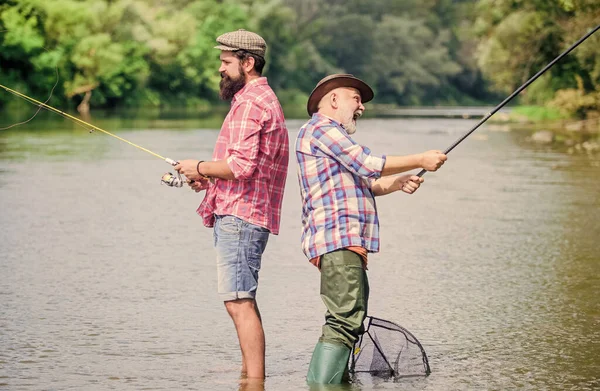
(199, 185)
(432, 160)
(188, 169)
(410, 183)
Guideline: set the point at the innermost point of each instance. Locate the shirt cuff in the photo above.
(239, 171)
(375, 165)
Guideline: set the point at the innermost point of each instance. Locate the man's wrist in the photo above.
(420, 160)
(198, 168)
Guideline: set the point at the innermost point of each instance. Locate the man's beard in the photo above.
(350, 125)
(229, 86)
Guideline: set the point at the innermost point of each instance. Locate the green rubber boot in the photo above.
(328, 363)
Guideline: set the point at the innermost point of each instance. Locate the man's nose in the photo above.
(222, 69)
(361, 107)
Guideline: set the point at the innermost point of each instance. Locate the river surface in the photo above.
(107, 277)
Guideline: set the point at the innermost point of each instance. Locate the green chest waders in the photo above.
(345, 292)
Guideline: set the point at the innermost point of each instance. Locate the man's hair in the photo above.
(259, 62)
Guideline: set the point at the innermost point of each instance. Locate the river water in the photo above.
(107, 278)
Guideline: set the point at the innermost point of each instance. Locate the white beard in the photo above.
(350, 127)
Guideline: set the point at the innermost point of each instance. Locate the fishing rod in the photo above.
(517, 91)
(168, 178)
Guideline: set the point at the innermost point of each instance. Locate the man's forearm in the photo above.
(397, 164)
(386, 185)
(218, 169)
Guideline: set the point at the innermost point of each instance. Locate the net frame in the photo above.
(370, 335)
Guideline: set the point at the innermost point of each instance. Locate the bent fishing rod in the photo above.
(168, 178)
(517, 91)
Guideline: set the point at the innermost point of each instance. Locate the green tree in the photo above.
(410, 59)
(116, 52)
(26, 64)
(397, 46)
(519, 38)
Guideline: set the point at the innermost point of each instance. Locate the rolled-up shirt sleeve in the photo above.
(356, 158)
(244, 144)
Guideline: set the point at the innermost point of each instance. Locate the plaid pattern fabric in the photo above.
(335, 175)
(254, 141)
(242, 39)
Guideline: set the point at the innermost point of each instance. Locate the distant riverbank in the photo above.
(524, 116)
(549, 127)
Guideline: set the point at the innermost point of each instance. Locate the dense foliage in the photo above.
(160, 53)
(517, 38)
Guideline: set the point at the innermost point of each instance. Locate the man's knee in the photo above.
(240, 308)
(345, 292)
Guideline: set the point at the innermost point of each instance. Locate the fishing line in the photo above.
(168, 178)
(78, 121)
(517, 91)
(47, 100)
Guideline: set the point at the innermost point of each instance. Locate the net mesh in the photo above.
(388, 350)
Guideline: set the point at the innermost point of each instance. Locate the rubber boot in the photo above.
(328, 363)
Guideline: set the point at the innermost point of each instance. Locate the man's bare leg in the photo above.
(252, 385)
(248, 324)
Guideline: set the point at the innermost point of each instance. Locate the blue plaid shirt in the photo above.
(335, 175)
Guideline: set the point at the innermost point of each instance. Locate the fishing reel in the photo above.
(172, 180)
(176, 180)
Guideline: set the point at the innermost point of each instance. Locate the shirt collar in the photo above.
(328, 118)
(251, 84)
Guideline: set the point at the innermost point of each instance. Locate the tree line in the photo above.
(159, 53)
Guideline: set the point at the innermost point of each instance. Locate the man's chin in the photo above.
(350, 128)
(228, 90)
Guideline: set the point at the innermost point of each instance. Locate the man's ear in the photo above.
(333, 100)
(248, 65)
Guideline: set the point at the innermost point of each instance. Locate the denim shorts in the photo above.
(239, 246)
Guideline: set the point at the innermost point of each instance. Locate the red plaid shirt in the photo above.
(254, 141)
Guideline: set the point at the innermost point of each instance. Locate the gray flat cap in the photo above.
(242, 40)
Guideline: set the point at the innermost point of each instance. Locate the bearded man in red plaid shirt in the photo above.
(245, 191)
(339, 180)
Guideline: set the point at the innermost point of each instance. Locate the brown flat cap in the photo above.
(332, 82)
(242, 40)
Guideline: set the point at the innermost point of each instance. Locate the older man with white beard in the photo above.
(339, 180)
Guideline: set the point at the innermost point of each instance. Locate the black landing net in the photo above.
(388, 350)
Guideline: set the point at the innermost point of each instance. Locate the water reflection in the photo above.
(366, 381)
(116, 120)
(334, 387)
